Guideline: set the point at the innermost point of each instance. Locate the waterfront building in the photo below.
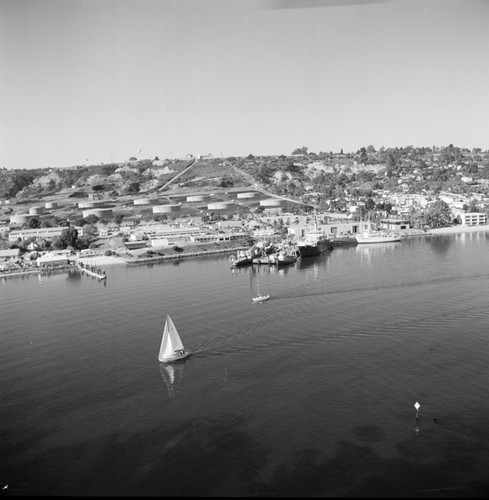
(473, 218)
(133, 245)
(9, 254)
(208, 238)
(51, 259)
(398, 225)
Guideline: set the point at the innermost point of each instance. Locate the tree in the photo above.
(79, 221)
(118, 219)
(34, 223)
(47, 222)
(91, 219)
(69, 237)
(58, 243)
(363, 156)
(300, 151)
(473, 207)
(226, 181)
(439, 214)
(90, 232)
(133, 187)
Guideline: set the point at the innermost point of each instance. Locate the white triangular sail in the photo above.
(171, 340)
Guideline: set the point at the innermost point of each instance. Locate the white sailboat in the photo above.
(171, 347)
(259, 298)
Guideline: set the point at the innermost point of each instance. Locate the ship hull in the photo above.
(342, 241)
(310, 250)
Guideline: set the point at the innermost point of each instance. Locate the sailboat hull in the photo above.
(260, 298)
(176, 357)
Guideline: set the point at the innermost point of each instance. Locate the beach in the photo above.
(101, 260)
(458, 229)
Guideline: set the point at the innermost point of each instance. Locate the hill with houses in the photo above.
(394, 181)
(321, 177)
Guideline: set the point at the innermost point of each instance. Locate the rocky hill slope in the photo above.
(291, 175)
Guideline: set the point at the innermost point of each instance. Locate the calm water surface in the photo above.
(309, 394)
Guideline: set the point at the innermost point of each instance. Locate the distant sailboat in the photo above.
(259, 297)
(171, 345)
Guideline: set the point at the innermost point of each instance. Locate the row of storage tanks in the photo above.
(98, 207)
(214, 206)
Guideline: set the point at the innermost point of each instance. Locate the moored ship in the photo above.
(314, 243)
(341, 240)
(377, 237)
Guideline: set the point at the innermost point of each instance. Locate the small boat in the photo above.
(259, 298)
(171, 348)
(241, 259)
(263, 259)
(284, 258)
(376, 237)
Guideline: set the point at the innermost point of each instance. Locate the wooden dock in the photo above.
(91, 271)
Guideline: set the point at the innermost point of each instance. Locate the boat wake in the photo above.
(218, 340)
(448, 313)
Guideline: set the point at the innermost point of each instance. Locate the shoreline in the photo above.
(458, 229)
(110, 260)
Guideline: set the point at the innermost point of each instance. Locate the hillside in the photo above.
(295, 175)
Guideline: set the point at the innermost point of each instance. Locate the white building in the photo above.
(9, 254)
(41, 232)
(473, 218)
(51, 259)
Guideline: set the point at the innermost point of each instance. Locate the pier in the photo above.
(91, 271)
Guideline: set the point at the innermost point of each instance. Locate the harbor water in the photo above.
(309, 394)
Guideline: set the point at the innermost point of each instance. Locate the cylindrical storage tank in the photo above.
(198, 198)
(51, 204)
(20, 218)
(91, 204)
(165, 209)
(99, 212)
(247, 196)
(220, 205)
(142, 201)
(271, 203)
(36, 210)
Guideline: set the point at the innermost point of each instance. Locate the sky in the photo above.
(99, 81)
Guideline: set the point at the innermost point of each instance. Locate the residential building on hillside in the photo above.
(41, 232)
